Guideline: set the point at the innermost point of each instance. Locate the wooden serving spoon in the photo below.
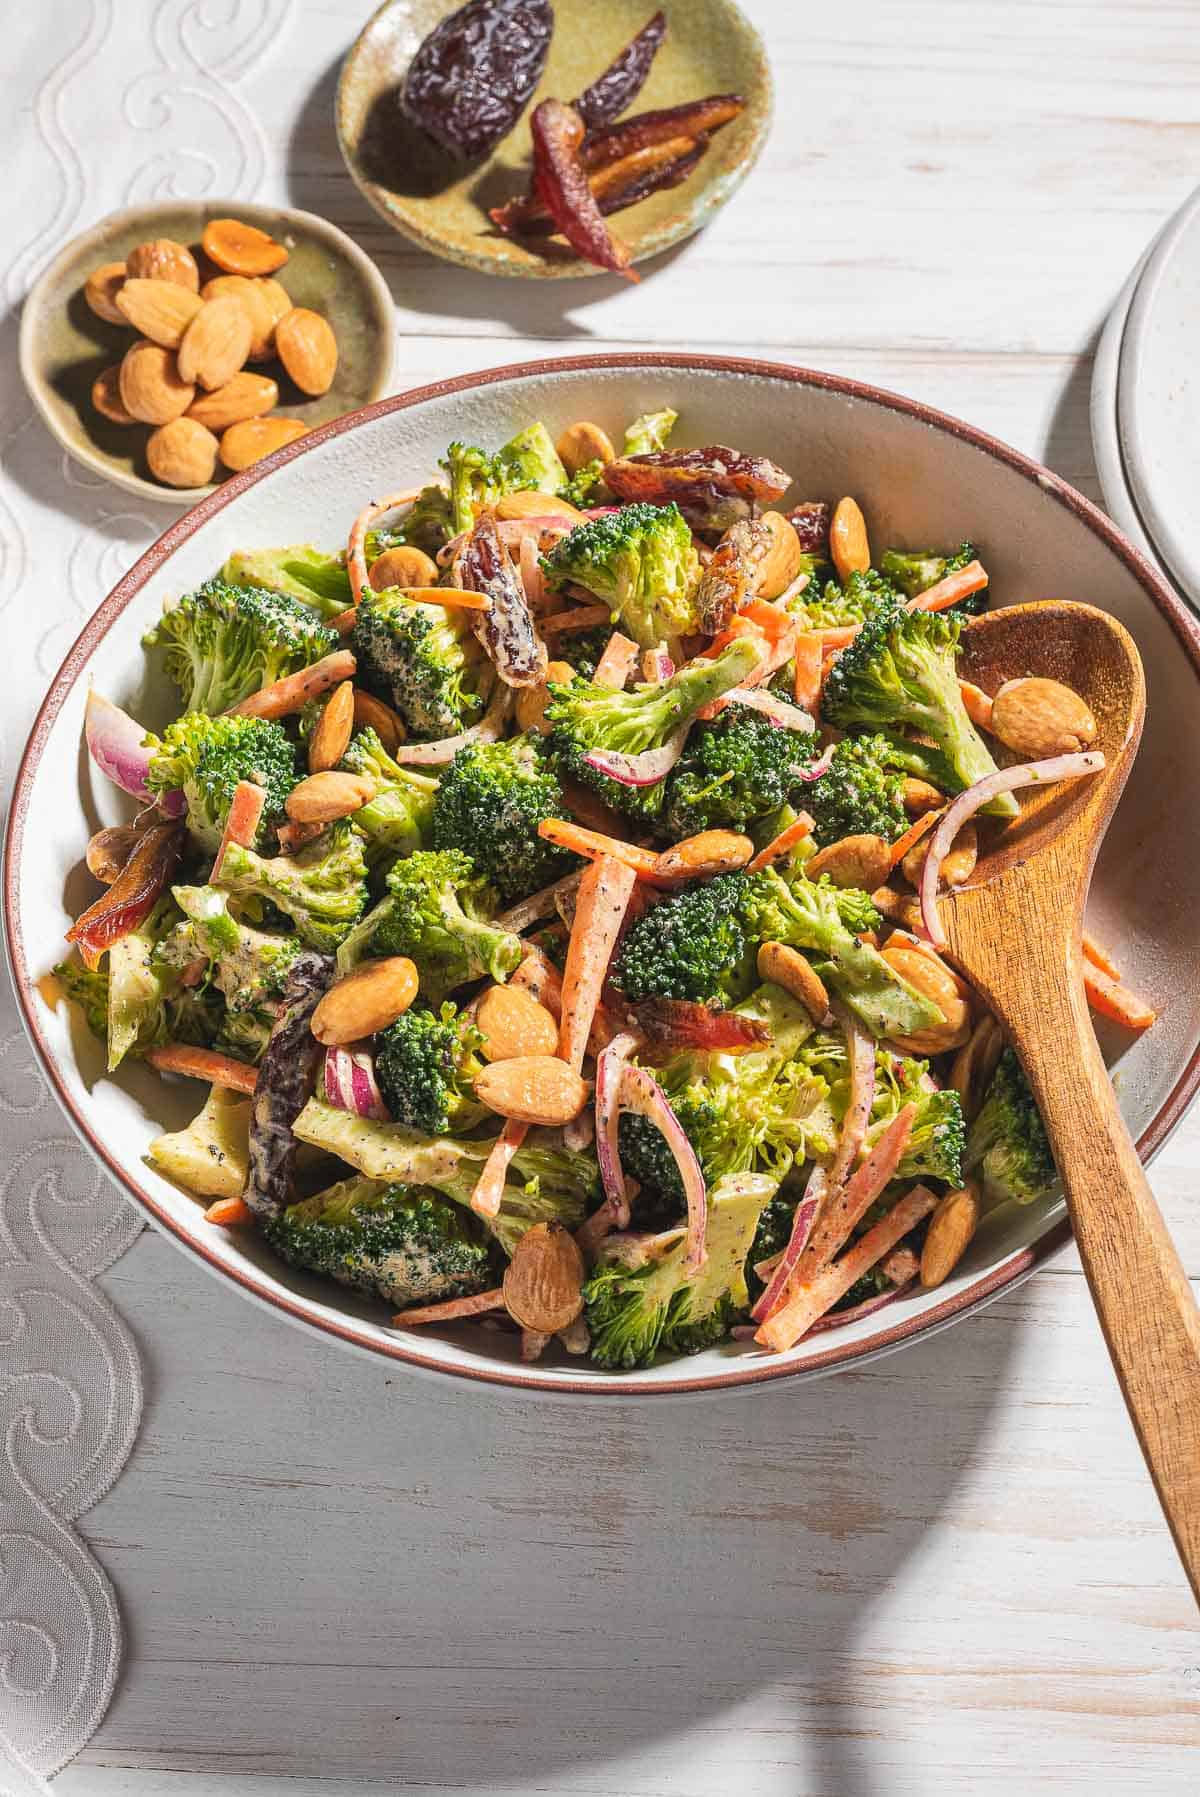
(1014, 932)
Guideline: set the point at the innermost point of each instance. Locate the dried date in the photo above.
(695, 118)
(621, 184)
(728, 580)
(471, 78)
(624, 78)
(713, 487)
(506, 628)
(561, 182)
(810, 521)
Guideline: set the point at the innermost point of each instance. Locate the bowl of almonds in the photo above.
(172, 345)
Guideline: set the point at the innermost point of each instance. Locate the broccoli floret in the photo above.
(900, 673)
(584, 717)
(582, 649)
(248, 967)
(826, 920)
(224, 642)
(914, 571)
(401, 1243)
(1007, 1144)
(732, 771)
(490, 801)
(691, 945)
(419, 658)
(935, 1147)
(300, 571)
(425, 1063)
(642, 562)
(322, 887)
(830, 606)
(208, 756)
(770, 1238)
(427, 525)
(859, 794)
(650, 432)
(397, 821)
(531, 462)
(585, 485)
(634, 1312)
(438, 911)
(86, 987)
(528, 461)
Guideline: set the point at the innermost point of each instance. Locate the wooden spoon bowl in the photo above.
(1015, 932)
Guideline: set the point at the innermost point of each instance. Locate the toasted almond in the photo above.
(975, 1063)
(862, 861)
(307, 347)
(162, 259)
(930, 976)
(277, 297)
(366, 1001)
(543, 1282)
(245, 396)
(241, 249)
(244, 444)
(182, 453)
(537, 1088)
(254, 302)
(583, 443)
(958, 865)
(101, 288)
(533, 700)
(326, 796)
(787, 968)
(372, 714)
(538, 505)
(110, 849)
(1036, 718)
(403, 567)
(159, 310)
(216, 343)
(848, 544)
(709, 852)
(897, 907)
(948, 1237)
(513, 1023)
(782, 560)
(106, 396)
(918, 797)
(333, 730)
(152, 389)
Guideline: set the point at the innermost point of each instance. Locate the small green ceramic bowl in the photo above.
(64, 346)
(710, 48)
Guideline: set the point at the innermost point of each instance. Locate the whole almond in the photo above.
(538, 505)
(326, 796)
(537, 1088)
(787, 967)
(241, 249)
(918, 797)
(216, 343)
(543, 1282)
(244, 444)
(276, 295)
(975, 1063)
(930, 976)
(862, 861)
(162, 259)
(699, 857)
(308, 349)
(372, 714)
(1036, 718)
(245, 396)
(258, 308)
(152, 389)
(101, 288)
(781, 562)
(583, 443)
(403, 567)
(366, 1001)
(182, 453)
(951, 1228)
(848, 544)
(333, 730)
(159, 310)
(513, 1023)
(958, 865)
(106, 396)
(533, 700)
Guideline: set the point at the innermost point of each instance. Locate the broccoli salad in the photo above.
(545, 889)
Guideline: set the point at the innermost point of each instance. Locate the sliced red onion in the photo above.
(356, 547)
(600, 511)
(350, 1084)
(802, 1224)
(645, 769)
(115, 743)
(860, 1049)
(642, 1094)
(1005, 779)
(610, 1069)
(531, 573)
(834, 1319)
(538, 905)
(789, 717)
(657, 665)
(489, 729)
(819, 766)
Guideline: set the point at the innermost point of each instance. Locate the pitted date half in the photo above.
(470, 80)
(728, 579)
(713, 487)
(810, 521)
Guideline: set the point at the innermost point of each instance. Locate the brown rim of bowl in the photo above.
(989, 1285)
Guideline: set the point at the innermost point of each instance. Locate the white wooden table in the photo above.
(944, 1573)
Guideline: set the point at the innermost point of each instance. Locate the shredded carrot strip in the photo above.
(292, 693)
(773, 622)
(807, 653)
(229, 1213)
(739, 626)
(203, 1063)
(581, 617)
(343, 623)
(839, 637)
(914, 833)
(1115, 1001)
(976, 703)
(1099, 957)
(454, 598)
(617, 663)
(604, 894)
(951, 589)
(245, 814)
(450, 1309)
(591, 843)
(489, 1187)
(782, 844)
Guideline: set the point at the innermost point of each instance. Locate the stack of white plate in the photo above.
(1146, 403)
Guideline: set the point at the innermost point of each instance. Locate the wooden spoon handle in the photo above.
(1141, 1292)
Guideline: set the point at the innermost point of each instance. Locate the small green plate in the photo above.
(710, 48)
(64, 346)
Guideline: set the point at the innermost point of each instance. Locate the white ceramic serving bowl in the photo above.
(921, 478)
